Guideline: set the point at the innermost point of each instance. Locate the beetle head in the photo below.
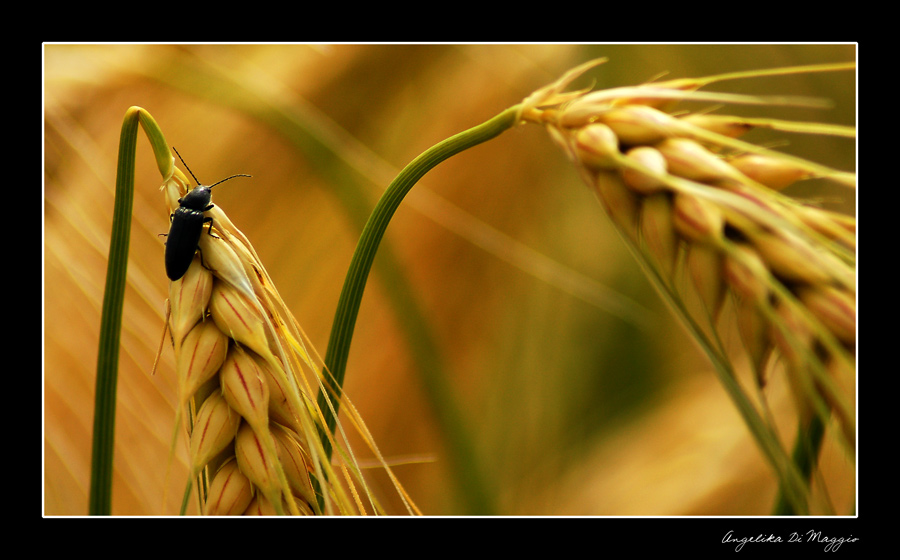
(197, 199)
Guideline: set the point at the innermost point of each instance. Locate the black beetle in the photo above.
(187, 225)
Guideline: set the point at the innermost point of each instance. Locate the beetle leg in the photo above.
(200, 251)
(203, 264)
(209, 229)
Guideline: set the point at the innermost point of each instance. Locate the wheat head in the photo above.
(250, 410)
(696, 202)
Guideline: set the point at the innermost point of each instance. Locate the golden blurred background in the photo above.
(501, 296)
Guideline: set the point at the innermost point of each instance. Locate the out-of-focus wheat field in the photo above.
(500, 274)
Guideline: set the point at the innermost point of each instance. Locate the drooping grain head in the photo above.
(244, 383)
(691, 197)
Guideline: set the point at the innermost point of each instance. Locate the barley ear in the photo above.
(246, 385)
(691, 198)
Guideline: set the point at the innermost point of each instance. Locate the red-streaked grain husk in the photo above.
(230, 491)
(214, 429)
(200, 357)
(245, 388)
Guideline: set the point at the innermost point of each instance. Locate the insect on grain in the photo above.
(187, 225)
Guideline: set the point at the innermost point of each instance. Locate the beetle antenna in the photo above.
(186, 166)
(198, 181)
(225, 179)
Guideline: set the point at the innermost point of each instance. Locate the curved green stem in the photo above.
(355, 282)
(100, 495)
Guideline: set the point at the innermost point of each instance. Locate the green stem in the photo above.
(360, 265)
(100, 498)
